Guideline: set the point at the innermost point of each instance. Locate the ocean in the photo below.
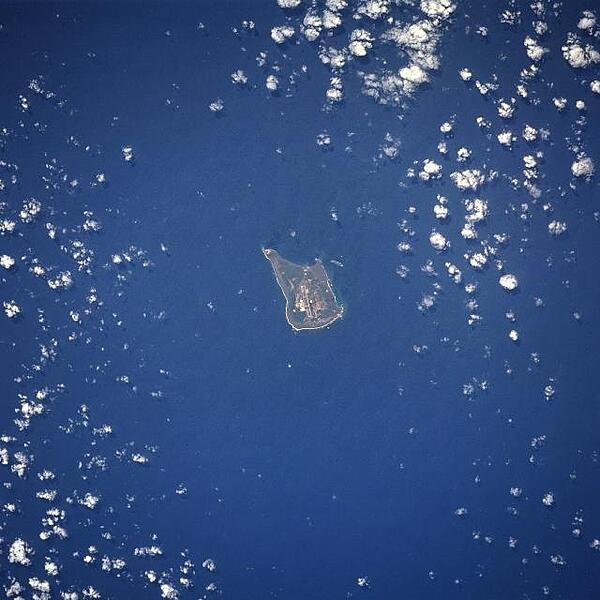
(384, 447)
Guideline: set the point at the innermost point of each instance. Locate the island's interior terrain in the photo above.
(310, 300)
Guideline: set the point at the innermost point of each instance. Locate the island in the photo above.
(309, 299)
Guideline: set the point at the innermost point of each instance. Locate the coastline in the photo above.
(266, 252)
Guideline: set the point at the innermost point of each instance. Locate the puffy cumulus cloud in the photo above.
(289, 3)
(209, 564)
(440, 210)
(331, 19)
(595, 86)
(335, 91)
(530, 164)
(560, 103)
(6, 225)
(62, 281)
(506, 108)
(548, 499)
(465, 74)
(583, 167)
(216, 106)
(387, 88)
(390, 148)
(20, 553)
(239, 77)
(89, 501)
(312, 25)
(416, 40)
(438, 241)
(6, 261)
(438, 9)
(477, 210)
(39, 585)
(336, 5)
(148, 551)
(557, 227)
(468, 231)
(272, 83)
(430, 170)
(31, 208)
(390, 88)
(446, 128)
(509, 282)
(324, 140)
(404, 247)
(414, 74)
(374, 9)
(334, 58)
(51, 568)
(534, 50)
(127, 152)
(529, 133)
(478, 260)
(361, 41)
(427, 302)
(282, 33)
(506, 138)
(168, 592)
(579, 54)
(11, 309)
(454, 272)
(463, 154)
(314, 22)
(587, 22)
(469, 179)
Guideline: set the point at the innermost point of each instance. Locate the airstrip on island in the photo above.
(310, 302)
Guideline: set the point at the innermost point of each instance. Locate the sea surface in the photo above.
(298, 462)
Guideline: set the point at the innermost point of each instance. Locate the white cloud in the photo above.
(374, 9)
(430, 170)
(216, 106)
(506, 138)
(438, 241)
(239, 77)
(587, 21)
(583, 167)
(19, 553)
(11, 309)
(361, 41)
(414, 74)
(465, 74)
(506, 109)
(282, 33)
(441, 9)
(529, 133)
(272, 83)
(477, 210)
(469, 179)
(509, 282)
(534, 51)
(557, 227)
(6, 261)
(477, 260)
(579, 54)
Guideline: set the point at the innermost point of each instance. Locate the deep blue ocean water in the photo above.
(310, 459)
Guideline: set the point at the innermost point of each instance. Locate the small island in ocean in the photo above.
(309, 299)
